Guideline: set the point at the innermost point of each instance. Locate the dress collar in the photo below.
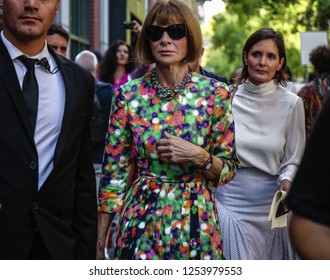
(259, 89)
(15, 53)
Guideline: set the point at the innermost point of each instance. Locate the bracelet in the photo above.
(208, 164)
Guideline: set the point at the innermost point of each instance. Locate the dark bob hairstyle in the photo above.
(263, 34)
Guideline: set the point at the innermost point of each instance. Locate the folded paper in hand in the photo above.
(278, 213)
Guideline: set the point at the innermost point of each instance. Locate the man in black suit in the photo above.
(47, 183)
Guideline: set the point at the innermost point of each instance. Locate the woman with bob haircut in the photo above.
(182, 127)
(270, 141)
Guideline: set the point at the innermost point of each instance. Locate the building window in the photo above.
(80, 26)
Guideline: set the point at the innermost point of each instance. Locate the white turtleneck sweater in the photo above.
(269, 128)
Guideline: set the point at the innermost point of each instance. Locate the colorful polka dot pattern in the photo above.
(169, 212)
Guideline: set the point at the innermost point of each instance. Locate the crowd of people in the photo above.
(141, 153)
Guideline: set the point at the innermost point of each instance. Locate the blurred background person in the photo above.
(58, 38)
(103, 96)
(99, 57)
(182, 126)
(311, 77)
(196, 67)
(270, 140)
(309, 197)
(117, 64)
(290, 86)
(233, 80)
(316, 91)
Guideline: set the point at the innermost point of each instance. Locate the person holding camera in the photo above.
(134, 25)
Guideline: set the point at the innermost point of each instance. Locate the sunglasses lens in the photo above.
(154, 33)
(175, 32)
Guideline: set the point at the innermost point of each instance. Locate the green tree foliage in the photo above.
(242, 17)
(316, 16)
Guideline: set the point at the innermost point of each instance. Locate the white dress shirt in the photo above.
(50, 106)
(269, 128)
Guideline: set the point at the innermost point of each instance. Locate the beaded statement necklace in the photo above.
(168, 92)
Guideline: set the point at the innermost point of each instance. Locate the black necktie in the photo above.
(30, 90)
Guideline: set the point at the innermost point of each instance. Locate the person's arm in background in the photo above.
(310, 239)
(309, 197)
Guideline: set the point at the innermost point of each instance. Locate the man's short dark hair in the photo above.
(57, 29)
(320, 58)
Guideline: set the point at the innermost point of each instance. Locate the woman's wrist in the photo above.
(202, 158)
(208, 163)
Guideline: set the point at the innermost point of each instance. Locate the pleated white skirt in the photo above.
(243, 207)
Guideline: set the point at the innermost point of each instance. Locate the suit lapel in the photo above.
(10, 80)
(68, 78)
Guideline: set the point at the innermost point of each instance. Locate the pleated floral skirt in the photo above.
(167, 220)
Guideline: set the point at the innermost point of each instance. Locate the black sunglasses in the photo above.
(175, 31)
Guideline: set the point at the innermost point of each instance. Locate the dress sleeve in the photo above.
(223, 136)
(116, 157)
(294, 143)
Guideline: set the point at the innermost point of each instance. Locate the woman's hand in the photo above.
(104, 222)
(100, 249)
(177, 150)
(136, 27)
(285, 185)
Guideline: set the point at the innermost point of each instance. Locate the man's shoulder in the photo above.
(103, 90)
(102, 85)
(308, 89)
(214, 76)
(63, 61)
(73, 65)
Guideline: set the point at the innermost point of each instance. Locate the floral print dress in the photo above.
(169, 211)
(314, 95)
